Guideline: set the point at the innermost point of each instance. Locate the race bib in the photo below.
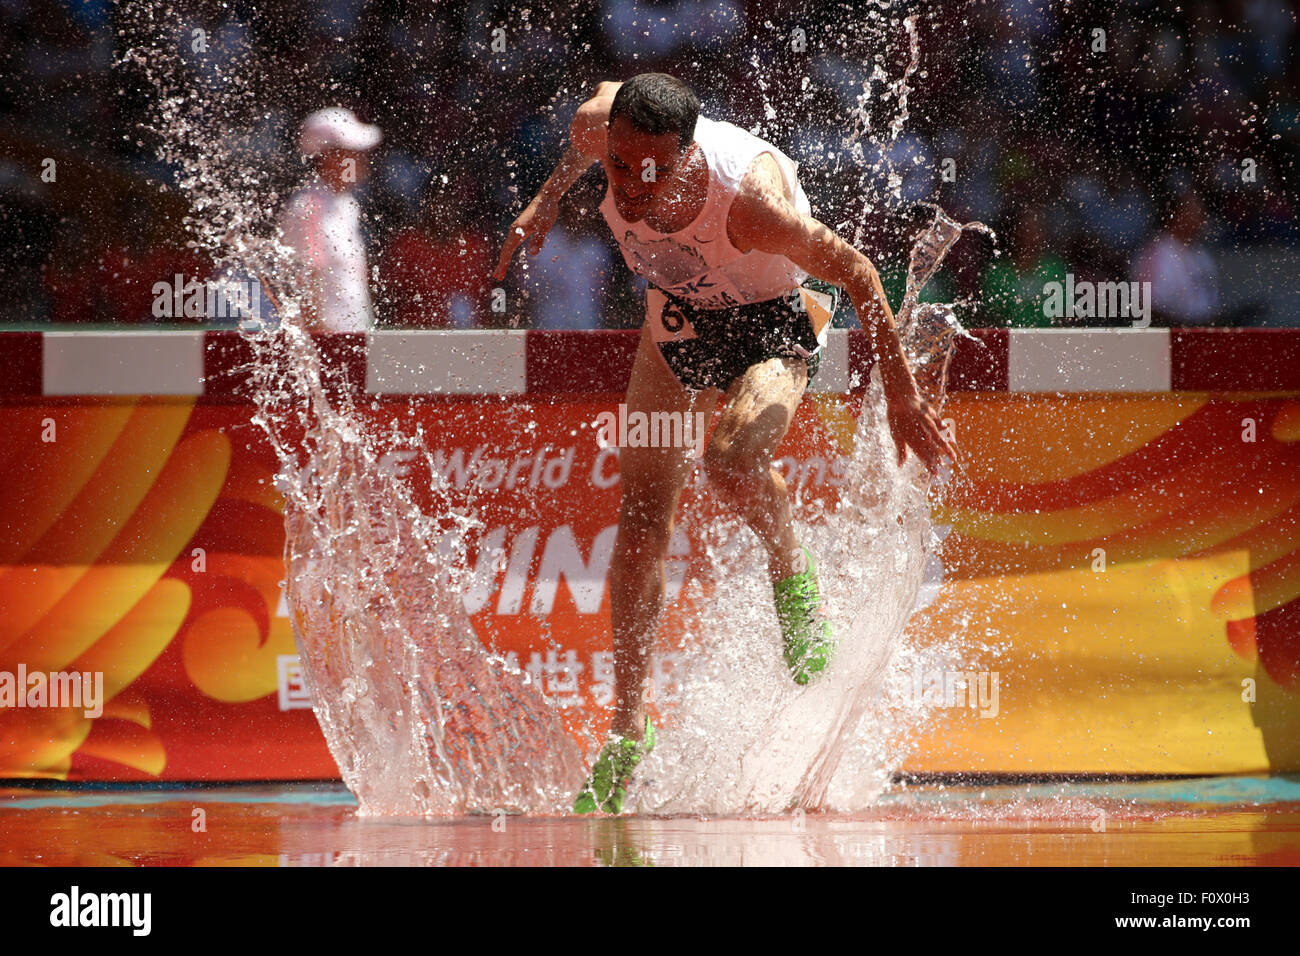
(820, 308)
(668, 323)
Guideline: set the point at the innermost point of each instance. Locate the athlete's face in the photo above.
(640, 167)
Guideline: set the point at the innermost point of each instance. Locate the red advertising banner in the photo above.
(143, 552)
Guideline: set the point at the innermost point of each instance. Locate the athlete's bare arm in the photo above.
(763, 217)
(586, 146)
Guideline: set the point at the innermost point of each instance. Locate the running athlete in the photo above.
(716, 221)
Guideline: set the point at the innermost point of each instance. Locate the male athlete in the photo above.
(716, 221)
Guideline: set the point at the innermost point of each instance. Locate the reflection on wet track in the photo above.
(1224, 821)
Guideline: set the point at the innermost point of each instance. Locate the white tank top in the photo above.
(699, 263)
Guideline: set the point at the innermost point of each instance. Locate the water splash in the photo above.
(749, 741)
(862, 128)
(422, 716)
(928, 330)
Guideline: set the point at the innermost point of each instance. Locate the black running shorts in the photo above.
(711, 348)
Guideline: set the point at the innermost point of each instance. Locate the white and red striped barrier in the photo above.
(398, 363)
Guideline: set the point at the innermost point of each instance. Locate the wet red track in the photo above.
(318, 825)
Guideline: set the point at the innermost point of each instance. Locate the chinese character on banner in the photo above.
(559, 676)
(602, 678)
(293, 689)
(534, 668)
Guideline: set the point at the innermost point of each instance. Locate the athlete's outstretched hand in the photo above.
(534, 222)
(915, 424)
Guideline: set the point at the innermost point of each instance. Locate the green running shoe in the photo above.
(606, 788)
(809, 642)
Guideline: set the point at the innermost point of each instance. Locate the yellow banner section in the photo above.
(1121, 671)
(1121, 593)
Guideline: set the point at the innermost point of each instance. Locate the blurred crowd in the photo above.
(1107, 142)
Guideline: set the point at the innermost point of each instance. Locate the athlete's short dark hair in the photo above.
(656, 103)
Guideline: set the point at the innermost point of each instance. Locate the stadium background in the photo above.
(1079, 160)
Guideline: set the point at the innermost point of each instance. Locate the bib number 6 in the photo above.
(673, 319)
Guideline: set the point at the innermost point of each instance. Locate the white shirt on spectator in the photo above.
(1184, 283)
(324, 229)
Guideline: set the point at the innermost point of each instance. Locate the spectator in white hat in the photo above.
(322, 221)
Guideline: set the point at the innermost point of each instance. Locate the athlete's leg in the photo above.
(652, 480)
(760, 406)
